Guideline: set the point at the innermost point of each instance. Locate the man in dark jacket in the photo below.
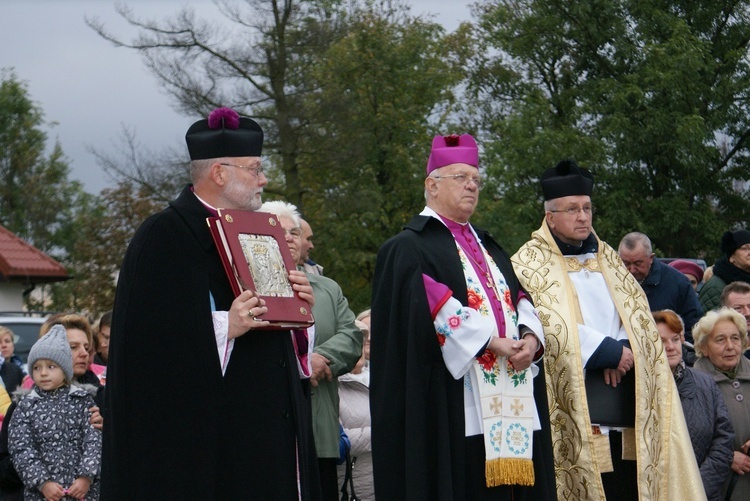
(203, 401)
(665, 287)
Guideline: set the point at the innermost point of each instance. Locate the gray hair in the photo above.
(359, 320)
(199, 168)
(366, 313)
(703, 327)
(437, 173)
(282, 209)
(632, 239)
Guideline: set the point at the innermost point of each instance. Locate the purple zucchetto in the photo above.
(566, 179)
(447, 150)
(224, 134)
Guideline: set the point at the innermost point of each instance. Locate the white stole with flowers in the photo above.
(498, 400)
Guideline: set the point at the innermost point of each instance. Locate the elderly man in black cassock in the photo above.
(459, 409)
(203, 401)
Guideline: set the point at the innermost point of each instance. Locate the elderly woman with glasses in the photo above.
(706, 415)
(720, 339)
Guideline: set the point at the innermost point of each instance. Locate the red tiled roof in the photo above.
(22, 262)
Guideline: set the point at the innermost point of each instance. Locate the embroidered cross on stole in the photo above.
(505, 396)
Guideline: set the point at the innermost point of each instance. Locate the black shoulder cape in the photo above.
(175, 427)
(417, 409)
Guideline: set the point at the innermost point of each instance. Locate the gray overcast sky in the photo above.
(92, 89)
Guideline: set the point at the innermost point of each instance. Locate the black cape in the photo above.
(175, 427)
(417, 407)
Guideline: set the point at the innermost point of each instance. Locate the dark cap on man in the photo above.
(447, 150)
(566, 179)
(224, 134)
(733, 240)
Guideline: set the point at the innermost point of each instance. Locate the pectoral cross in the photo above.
(491, 284)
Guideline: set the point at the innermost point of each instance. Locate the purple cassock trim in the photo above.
(473, 249)
(437, 294)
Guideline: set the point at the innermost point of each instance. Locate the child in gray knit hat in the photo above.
(54, 448)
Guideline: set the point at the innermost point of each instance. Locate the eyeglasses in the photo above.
(573, 211)
(745, 247)
(295, 232)
(463, 179)
(256, 171)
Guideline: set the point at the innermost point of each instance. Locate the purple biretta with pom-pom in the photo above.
(224, 134)
(447, 150)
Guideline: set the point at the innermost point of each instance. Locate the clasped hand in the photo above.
(520, 352)
(614, 376)
(52, 491)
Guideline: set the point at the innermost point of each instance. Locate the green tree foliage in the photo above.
(88, 235)
(37, 199)
(102, 236)
(251, 61)
(652, 96)
(346, 96)
(366, 148)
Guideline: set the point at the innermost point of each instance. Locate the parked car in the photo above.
(25, 325)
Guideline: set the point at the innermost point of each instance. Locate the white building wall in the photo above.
(11, 296)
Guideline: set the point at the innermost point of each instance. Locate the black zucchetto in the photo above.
(566, 179)
(224, 134)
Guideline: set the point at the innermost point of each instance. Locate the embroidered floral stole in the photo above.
(506, 396)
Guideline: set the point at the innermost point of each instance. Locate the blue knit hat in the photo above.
(54, 346)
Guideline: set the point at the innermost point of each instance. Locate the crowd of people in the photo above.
(565, 370)
(50, 440)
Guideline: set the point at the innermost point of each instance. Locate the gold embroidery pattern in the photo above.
(574, 264)
(543, 273)
(534, 265)
(633, 308)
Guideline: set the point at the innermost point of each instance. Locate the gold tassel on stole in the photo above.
(509, 471)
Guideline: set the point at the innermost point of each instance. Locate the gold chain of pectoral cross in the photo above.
(486, 272)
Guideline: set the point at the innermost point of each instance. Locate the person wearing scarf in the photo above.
(733, 266)
(596, 317)
(455, 414)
